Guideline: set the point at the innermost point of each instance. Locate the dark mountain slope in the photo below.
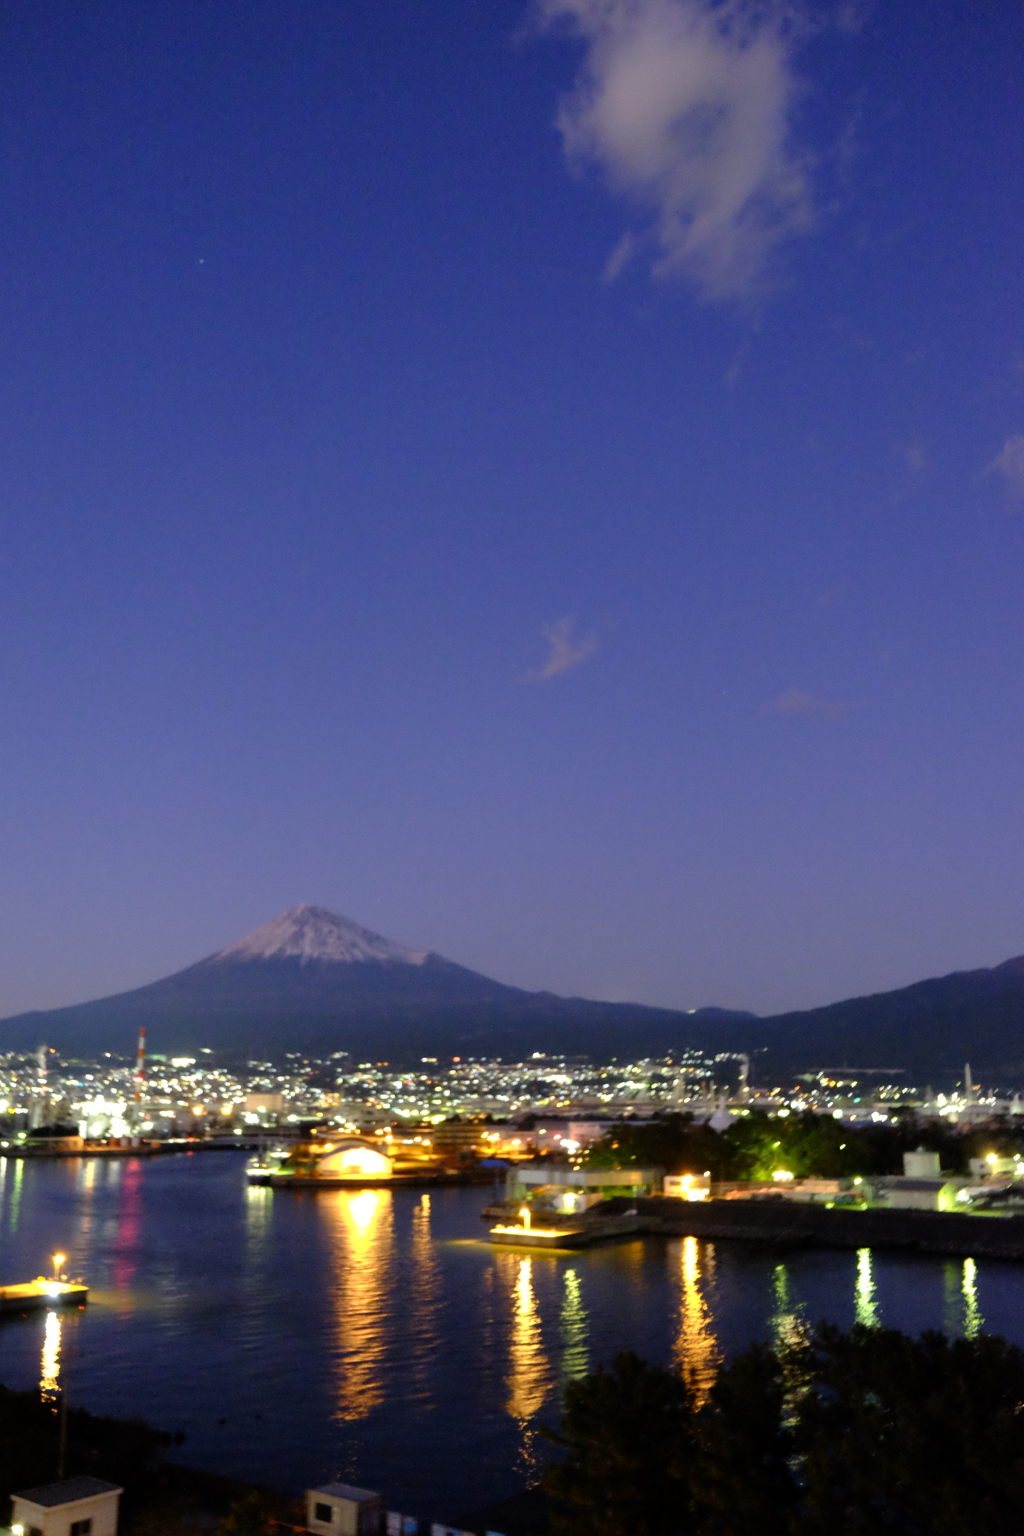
(932, 1026)
(311, 980)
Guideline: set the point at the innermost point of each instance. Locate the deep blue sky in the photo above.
(327, 430)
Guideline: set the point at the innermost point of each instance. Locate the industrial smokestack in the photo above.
(140, 1064)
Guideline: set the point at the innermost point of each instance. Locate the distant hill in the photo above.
(930, 1027)
(313, 980)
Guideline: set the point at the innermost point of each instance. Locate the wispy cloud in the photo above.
(796, 702)
(685, 106)
(1009, 462)
(567, 650)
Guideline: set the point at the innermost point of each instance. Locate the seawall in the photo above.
(786, 1223)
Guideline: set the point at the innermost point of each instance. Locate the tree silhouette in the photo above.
(741, 1478)
(629, 1437)
(912, 1435)
(841, 1434)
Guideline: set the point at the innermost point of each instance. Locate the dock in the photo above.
(34, 1295)
(567, 1232)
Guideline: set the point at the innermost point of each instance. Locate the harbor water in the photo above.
(375, 1337)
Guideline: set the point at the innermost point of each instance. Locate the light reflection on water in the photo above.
(128, 1177)
(360, 1237)
(49, 1379)
(425, 1298)
(787, 1322)
(259, 1203)
(973, 1320)
(376, 1337)
(530, 1378)
(696, 1354)
(575, 1355)
(866, 1310)
(14, 1196)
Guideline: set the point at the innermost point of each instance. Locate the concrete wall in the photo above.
(784, 1222)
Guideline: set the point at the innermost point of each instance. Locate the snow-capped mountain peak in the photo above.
(316, 933)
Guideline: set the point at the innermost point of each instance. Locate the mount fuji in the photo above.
(312, 980)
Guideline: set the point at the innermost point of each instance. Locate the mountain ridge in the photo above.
(313, 980)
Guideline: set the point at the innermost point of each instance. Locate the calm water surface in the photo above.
(376, 1337)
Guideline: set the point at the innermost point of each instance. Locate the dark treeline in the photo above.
(806, 1145)
(838, 1434)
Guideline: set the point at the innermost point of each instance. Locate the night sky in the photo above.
(547, 483)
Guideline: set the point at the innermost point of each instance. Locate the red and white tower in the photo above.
(139, 1075)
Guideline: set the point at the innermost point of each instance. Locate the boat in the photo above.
(55, 1291)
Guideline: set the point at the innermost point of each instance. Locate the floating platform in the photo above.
(573, 1234)
(35, 1295)
(540, 1237)
(364, 1181)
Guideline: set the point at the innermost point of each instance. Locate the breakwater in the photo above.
(786, 1223)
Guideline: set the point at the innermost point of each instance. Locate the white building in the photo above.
(336, 1509)
(574, 1189)
(78, 1506)
(917, 1194)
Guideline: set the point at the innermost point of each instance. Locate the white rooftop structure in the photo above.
(76, 1506)
(337, 1509)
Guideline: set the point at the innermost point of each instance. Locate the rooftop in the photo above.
(51, 1495)
(901, 1181)
(344, 1491)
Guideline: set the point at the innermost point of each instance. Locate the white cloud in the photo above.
(796, 702)
(1009, 462)
(567, 651)
(685, 106)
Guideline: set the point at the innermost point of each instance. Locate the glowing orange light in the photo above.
(355, 1162)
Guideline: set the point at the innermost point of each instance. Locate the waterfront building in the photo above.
(557, 1187)
(687, 1186)
(921, 1164)
(921, 1187)
(903, 1194)
(336, 1509)
(76, 1506)
(382, 1158)
(263, 1108)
